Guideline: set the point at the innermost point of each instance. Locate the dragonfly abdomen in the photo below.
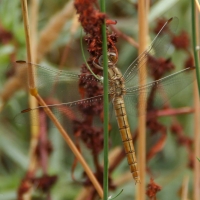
(126, 136)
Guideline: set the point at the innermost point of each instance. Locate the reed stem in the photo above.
(142, 15)
(33, 162)
(31, 77)
(32, 100)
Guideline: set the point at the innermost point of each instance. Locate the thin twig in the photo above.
(34, 130)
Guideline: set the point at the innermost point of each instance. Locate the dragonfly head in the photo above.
(112, 60)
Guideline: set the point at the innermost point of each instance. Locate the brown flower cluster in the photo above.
(152, 189)
(43, 183)
(91, 20)
(181, 41)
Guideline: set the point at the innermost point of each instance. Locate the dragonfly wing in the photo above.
(60, 84)
(160, 90)
(65, 113)
(158, 48)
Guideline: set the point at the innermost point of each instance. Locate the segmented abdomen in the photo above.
(126, 136)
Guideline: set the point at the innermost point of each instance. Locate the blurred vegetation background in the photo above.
(169, 167)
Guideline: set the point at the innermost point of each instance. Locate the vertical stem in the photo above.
(28, 43)
(33, 159)
(105, 103)
(194, 44)
(32, 100)
(142, 15)
(196, 194)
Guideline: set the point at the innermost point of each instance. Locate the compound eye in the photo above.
(112, 58)
(100, 61)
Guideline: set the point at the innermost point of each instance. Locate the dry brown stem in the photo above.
(53, 29)
(33, 163)
(28, 43)
(33, 159)
(142, 15)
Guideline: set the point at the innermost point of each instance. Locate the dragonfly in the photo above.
(124, 89)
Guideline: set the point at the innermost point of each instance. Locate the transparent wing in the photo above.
(60, 89)
(65, 113)
(157, 93)
(60, 84)
(158, 48)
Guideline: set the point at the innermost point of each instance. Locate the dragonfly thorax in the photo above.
(116, 82)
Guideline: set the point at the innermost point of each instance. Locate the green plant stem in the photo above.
(105, 104)
(195, 44)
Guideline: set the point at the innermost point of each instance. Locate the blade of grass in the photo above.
(105, 103)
